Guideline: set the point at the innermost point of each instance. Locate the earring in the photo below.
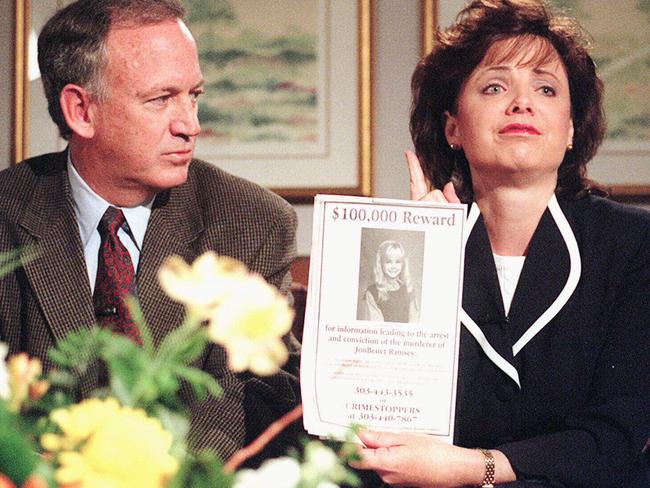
(454, 147)
(569, 147)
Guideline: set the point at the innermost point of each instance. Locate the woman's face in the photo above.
(393, 263)
(514, 113)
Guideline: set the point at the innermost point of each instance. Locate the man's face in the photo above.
(146, 125)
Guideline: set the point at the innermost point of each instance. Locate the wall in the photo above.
(397, 49)
(396, 27)
(6, 79)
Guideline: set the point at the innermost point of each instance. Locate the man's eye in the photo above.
(161, 100)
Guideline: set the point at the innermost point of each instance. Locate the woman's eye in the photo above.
(548, 90)
(492, 89)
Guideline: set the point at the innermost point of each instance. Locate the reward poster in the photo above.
(380, 344)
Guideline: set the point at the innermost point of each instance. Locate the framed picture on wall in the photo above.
(33, 130)
(288, 92)
(621, 50)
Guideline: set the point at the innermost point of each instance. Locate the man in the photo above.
(122, 80)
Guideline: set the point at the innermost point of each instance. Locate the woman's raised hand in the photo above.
(421, 186)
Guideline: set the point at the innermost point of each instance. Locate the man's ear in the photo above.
(77, 107)
(452, 131)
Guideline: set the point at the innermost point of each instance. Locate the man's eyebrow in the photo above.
(156, 90)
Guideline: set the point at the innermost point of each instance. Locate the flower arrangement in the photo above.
(133, 433)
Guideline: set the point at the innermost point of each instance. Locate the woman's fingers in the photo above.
(377, 449)
(420, 186)
(374, 439)
(449, 193)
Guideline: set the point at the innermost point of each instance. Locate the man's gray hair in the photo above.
(72, 45)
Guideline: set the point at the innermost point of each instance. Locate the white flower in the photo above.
(201, 286)
(250, 324)
(24, 373)
(282, 472)
(321, 457)
(322, 467)
(245, 315)
(4, 375)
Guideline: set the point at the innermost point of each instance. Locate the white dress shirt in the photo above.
(89, 208)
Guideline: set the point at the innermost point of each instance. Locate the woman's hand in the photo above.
(418, 460)
(421, 186)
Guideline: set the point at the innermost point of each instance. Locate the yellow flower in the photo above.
(250, 324)
(105, 445)
(23, 372)
(245, 314)
(201, 286)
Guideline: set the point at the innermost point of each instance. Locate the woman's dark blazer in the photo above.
(580, 415)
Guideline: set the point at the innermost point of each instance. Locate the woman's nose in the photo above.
(520, 103)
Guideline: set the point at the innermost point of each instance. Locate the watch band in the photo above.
(488, 478)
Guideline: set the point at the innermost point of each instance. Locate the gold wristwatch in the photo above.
(488, 479)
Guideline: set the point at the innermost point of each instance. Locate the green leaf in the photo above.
(200, 381)
(175, 423)
(138, 319)
(204, 470)
(15, 258)
(184, 344)
(18, 456)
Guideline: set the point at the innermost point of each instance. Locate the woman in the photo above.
(554, 388)
(391, 297)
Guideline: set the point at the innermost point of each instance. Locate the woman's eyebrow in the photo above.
(542, 71)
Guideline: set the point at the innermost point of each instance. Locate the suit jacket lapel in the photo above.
(481, 294)
(543, 276)
(58, 276)
(175, 224)
(549, 276)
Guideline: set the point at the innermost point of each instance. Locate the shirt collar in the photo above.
(89, 208)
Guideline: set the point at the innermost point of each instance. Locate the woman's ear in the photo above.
(78, 107)
(452, 130)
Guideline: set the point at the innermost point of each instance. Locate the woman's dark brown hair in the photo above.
(439, 77)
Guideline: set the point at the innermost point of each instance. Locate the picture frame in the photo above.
(622, 163)
(337, 157)
(29, 110)
(428, 25)
(345, 165)
(20, 109)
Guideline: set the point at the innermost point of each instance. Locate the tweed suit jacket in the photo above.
(50, 296)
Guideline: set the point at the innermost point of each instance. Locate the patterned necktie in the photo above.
(115, 278)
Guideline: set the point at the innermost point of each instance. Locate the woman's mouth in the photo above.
(519, 129)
